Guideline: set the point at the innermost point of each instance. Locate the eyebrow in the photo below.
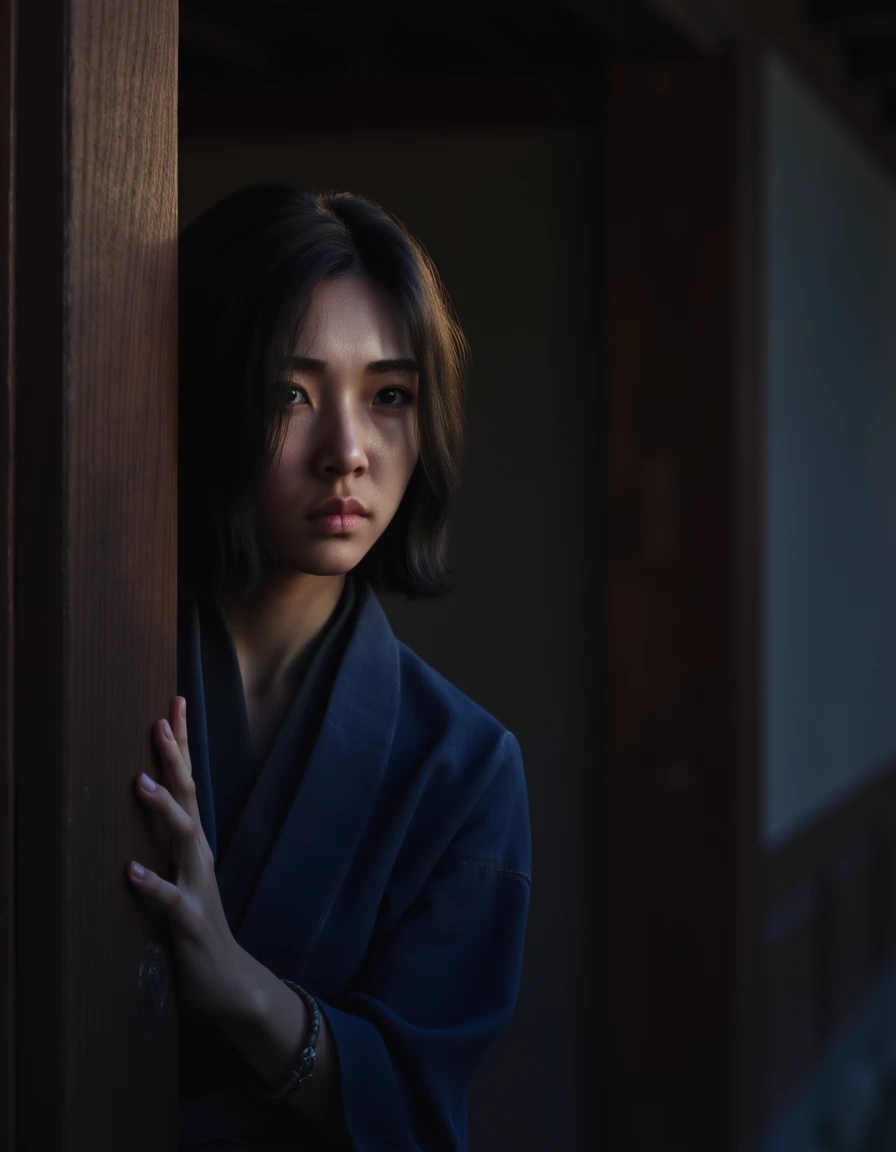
(309, 364)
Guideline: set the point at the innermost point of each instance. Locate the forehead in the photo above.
(352, 316)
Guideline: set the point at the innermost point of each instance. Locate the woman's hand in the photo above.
(206, 955)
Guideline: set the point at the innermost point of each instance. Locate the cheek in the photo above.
(410, 445)
(285, 469)
(277, 490)
(411, 450)
(400, 460)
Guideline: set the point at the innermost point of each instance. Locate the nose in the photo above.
(340, 450)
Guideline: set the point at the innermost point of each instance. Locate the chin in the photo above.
(334, 559)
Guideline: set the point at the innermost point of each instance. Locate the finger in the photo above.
(169, 896)
(179, 822)
(177, 719)
(178, 775)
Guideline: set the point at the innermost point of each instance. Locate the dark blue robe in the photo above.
(393, 885)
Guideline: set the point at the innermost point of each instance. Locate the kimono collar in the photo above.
(329, 810)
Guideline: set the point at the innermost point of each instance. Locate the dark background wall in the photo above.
(510, 218)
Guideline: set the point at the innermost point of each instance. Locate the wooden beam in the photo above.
(681, 593)
(95, 538)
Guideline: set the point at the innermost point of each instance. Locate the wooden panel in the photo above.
(829, 903)
(7, 822)
(673, 611)
(95, 560)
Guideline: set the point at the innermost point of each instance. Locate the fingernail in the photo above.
(136, 869)
(148, 784)
(183, 709)
(166, 728)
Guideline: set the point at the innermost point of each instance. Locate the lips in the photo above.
(339, 507)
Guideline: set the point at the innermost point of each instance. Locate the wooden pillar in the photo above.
(93, 539)
(681, 602)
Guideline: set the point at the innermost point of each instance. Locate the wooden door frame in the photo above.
(94, 606)
(681, 606)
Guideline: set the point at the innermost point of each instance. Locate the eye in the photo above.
(303, 396)
(394, 397)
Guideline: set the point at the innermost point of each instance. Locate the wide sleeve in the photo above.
(432, 996)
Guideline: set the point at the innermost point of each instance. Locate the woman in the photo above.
(350, 843)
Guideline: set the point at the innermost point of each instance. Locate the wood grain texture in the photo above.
(7, 416)
(95, 559)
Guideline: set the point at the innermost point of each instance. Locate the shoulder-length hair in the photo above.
(247, 270)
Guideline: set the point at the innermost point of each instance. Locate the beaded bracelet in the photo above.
(303, 1068)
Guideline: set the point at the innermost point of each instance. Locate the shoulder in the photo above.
(426, 703)
(432, 700)
(426, 685)
(472, 763)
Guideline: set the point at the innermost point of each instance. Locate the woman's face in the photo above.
(350, 431)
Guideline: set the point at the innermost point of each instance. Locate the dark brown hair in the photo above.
(247, 271)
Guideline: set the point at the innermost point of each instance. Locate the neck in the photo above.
(273, 627)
